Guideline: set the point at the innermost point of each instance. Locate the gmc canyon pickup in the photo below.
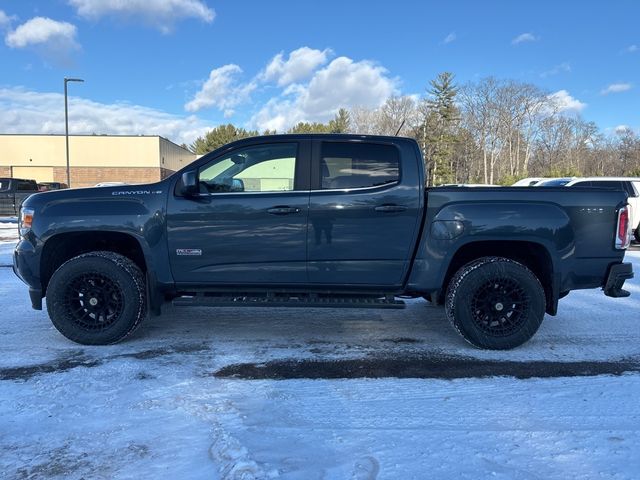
(318, 221)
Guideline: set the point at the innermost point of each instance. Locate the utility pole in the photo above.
(66, 124)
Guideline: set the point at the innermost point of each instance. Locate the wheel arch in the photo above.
(65, 246)
(533, 255)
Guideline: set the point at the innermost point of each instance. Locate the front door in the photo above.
(248, 225)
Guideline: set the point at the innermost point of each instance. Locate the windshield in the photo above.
(556, 182)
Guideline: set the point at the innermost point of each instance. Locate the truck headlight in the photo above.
(26, 220)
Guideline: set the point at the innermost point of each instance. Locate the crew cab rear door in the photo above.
(365, 211)
(248, 225)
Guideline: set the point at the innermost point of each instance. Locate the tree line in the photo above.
(491, 131)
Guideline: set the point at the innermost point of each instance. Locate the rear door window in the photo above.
(629, 187)
(346, 165)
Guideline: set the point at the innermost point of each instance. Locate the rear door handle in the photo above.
(282, 210)
(390, 208)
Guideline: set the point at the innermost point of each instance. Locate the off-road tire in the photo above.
(473, 312)
(116, 285)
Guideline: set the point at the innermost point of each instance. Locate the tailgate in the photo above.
(7, 204)
(594, 216)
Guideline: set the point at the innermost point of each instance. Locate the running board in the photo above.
(288, 300)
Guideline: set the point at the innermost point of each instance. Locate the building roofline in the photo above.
(91, 135)
(75, 135)
(171, 141)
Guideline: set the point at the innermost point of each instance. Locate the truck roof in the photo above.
(325, 136)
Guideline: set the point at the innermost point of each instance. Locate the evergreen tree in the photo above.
(309, 127)
(219, 136)
(439, 129)
(341, 122)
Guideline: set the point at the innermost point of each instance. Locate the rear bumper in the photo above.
(616, 277)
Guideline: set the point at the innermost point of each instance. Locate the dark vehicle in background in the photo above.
(46, 186)
(318, 221)
(13, 191)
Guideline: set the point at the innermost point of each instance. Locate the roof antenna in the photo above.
(400, 127)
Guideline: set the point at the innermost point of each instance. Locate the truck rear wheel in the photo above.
(97, 298)
(495, 303)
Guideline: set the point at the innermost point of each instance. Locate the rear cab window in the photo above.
(608, 184)
(348, 165)
(26, 186)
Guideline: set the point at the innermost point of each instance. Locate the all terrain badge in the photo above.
(181, 252)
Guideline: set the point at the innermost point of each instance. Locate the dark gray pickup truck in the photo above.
(13, 192)
(318, 221)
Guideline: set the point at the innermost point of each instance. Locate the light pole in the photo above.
(66, 124)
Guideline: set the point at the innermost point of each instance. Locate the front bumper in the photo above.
(616, 277)
(25, 264)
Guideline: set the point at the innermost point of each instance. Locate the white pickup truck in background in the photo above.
(631, 185)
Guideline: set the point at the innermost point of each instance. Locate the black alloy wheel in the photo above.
(97, 298)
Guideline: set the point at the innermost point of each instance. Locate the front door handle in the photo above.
(282, 210)
(390, 208)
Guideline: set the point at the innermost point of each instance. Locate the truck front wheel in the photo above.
(495, 303)
(97, 298)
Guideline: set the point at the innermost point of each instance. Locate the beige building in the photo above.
(93, 158)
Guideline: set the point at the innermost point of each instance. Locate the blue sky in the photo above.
(177, 68)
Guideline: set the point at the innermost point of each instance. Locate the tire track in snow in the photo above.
(432, 366)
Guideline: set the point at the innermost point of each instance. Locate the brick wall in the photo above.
(89, 176)
(165, 172)
(5, 171)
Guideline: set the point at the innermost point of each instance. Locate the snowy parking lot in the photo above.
(243, 393)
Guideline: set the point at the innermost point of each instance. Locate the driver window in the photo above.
(261, 168)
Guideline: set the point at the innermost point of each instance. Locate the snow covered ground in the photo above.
(174, 401)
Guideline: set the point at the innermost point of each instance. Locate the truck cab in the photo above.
(13, 191)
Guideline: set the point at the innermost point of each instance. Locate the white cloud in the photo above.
(616, 88)
(308, 90)
(620, 129)
(5, 20)
(565, 103)
(221, 90)
(632, 48)
(524, 37)
(342, 83)
(564, 67)
(299, 66)
(28, 111)
(450, 38)
(161, 14)
(44, 33)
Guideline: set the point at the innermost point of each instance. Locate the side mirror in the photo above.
(237, 185)
(190, 183)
